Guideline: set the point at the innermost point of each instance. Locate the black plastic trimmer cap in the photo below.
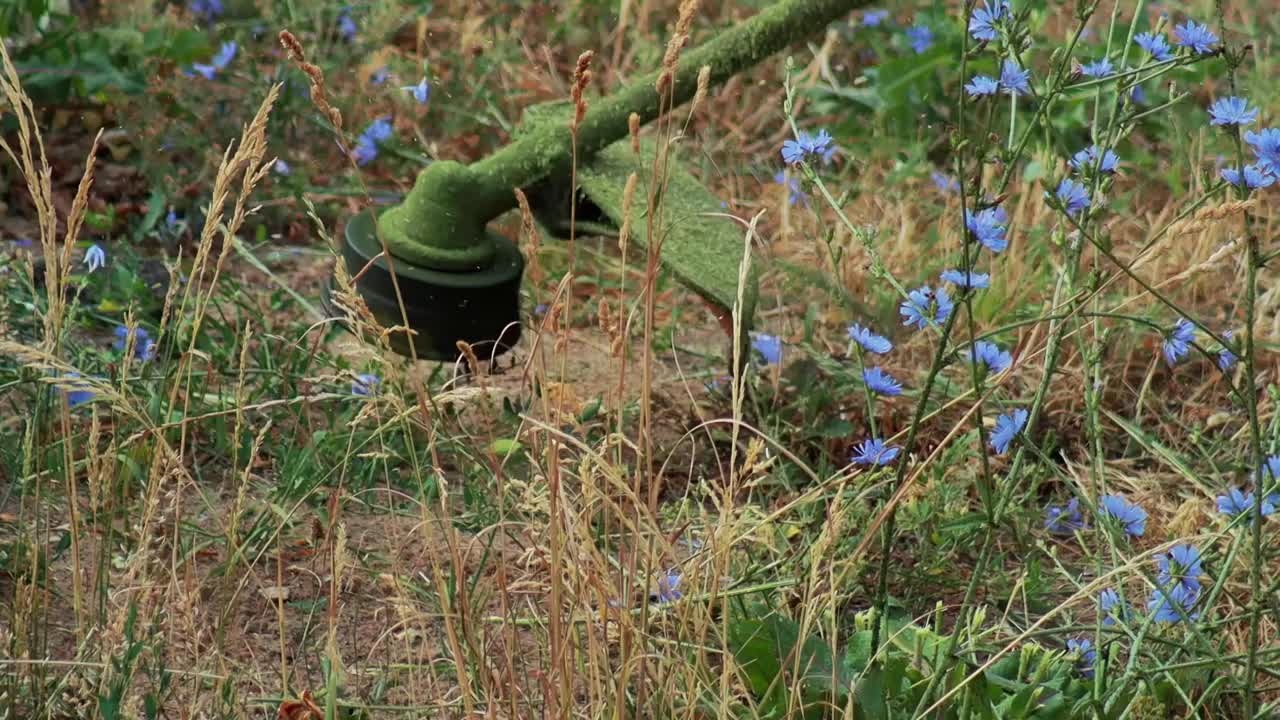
(480, 307)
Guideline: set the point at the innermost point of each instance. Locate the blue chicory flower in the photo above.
(769, 346)
(982, 85)
(988, 228)
(795, 195)
(966, 280)
(1086, 656)
(668, 587)
(1113, 607)
(925, 304)
(874, 18)
(76, 390)
(1098, 69)
(869, 341)
(1073, 196)
(881, 382)
(380, 75)
(991, 355)
(1129, 515)
(944, 182)
(209, 10)
(1064, 520)
(1181, 565)
(1232, 111)
(1165, 602)
(1156, 45)
(365, 385)
(1177, 341)
(819, 145)
(1008, 426)
(1266, 145)
(983, 22)
(1087, 160)
(143, 346)
(1014, 80)
(1254, 177)
(95, 257)
(1226, 358)
(282, 168)
(224, 56)
(420, 92)
(921, 37)
(874, 451)
(1195, 37)
(1237, 502)
(347, 26)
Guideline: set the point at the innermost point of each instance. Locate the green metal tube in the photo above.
(441, 222)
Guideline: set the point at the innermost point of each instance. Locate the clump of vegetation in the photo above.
(1005, 443)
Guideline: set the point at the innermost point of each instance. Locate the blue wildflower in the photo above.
(944, 182)
(365, 152)
(420, 92)
(380, 129)
(874, 451)
(1064, 520)
(378, 132)
(982, 85)
(1266, 145)
(347, 26)
(225, 55)
(1086, 656)
(1181, 565)
(982, 24)
(924, 304)
(1097, 69)
(668, 587)
(881, 382)
(1196, 37)
(1156, 45)
(1014, 80)
(874, 18)
(1237, 502)
(365, 385)
(1007, 428)
(76, 390)
(988, 228)
(1073, 196)
(1138, 95)
(1113, 607)
(1270, 467)
(967, 280)
(282, 168)
(1129, 515)
(795, 195)
(207, 9)
(95, 257)
(921, 37)
(769, 346)
(1177, 341)
(380, 75)
(869, 341)
(819, 145)
(1226, 358)
(1254, 177)
(143, 347)
(1165, 602)
(991, 355)
(1087, 160)
(1232, 111)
